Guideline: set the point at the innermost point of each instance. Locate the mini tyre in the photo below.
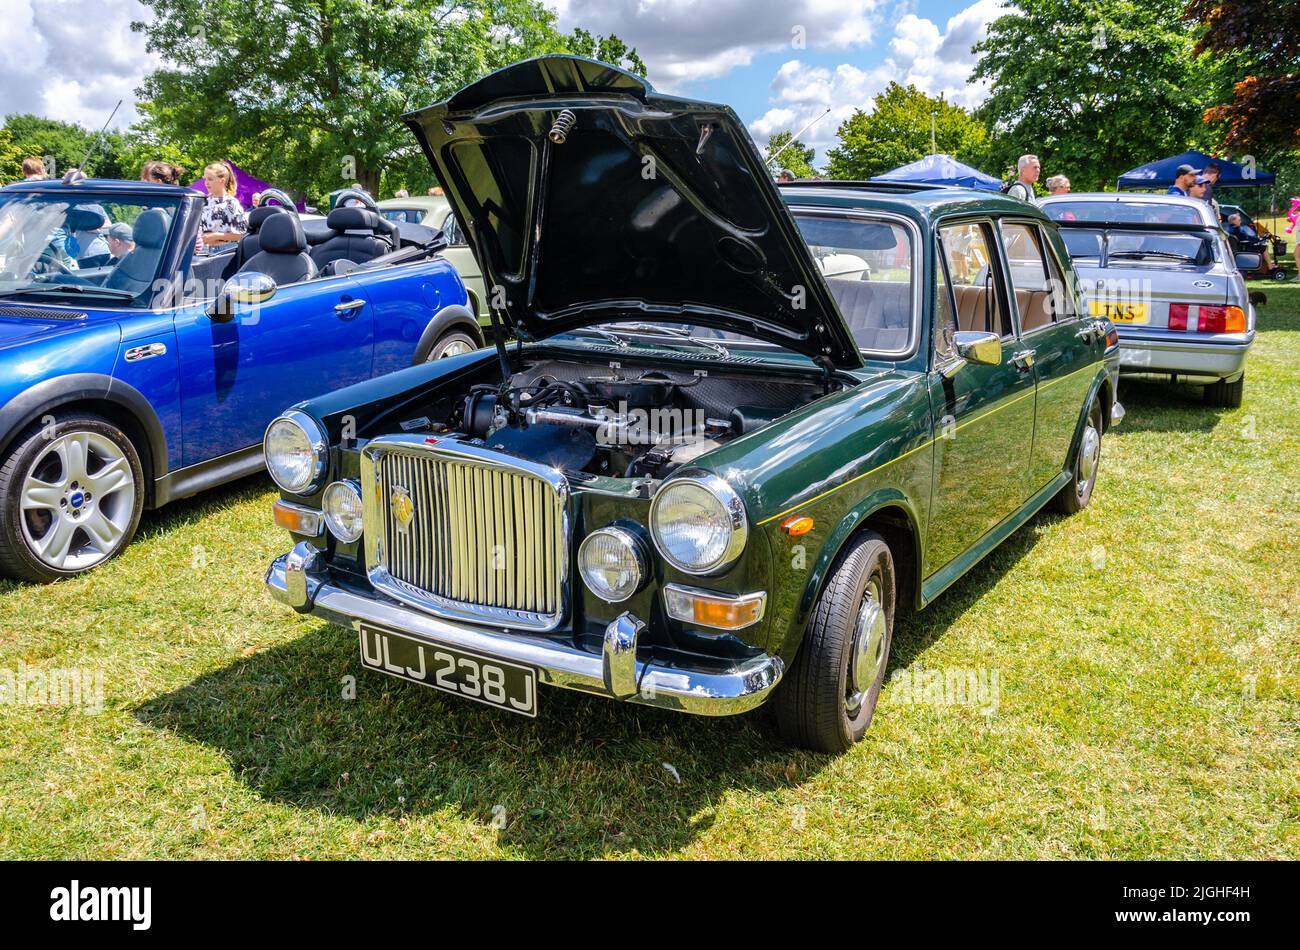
(71, 495)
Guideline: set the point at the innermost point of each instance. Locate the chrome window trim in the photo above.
(914, 235)
(375, 533)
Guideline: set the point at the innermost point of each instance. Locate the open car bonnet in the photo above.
(590, 198)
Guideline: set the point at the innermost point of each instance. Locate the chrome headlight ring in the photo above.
(318, 445)
(729, 515)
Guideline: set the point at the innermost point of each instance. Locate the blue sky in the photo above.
(778, 63)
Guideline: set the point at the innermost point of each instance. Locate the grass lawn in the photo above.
(1147, 704)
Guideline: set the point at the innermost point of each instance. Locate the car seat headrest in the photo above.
(151, 228)
(258, 216)
(282, 234)
(352, 219)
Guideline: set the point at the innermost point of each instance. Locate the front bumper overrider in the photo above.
(301, 580)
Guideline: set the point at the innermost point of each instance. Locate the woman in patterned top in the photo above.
(223, 219)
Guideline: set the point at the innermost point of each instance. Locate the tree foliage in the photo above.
(897, 131)
(1094, 87)
(65, 145)
(607, 49)
(795, 156)
(308, 94)
(1262, 112)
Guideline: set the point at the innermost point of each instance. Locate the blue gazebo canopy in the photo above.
(1161, 174)
(942, 170)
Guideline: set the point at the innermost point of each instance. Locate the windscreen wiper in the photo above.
(655, 328)
(1163, 255)
(69, 289)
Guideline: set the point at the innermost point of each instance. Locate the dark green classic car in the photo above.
(726, 430)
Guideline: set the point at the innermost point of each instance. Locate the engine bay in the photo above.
(603, 419)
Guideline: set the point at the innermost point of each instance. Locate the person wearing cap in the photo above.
(1184, 176)
(784, 175)
(120, 242)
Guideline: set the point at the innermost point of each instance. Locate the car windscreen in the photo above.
(87, 246)
(868, 266)
(1119, 247)
(1122, 212)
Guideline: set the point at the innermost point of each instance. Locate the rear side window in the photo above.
(968, 253)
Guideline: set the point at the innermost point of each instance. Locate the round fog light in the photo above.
(612, 563)
(342, 505)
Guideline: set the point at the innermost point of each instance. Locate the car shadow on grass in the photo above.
(587, 777)
(1158, 406)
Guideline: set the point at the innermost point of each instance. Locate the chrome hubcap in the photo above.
(454, 348)
(867, 656)
(77, 500)
(1089, 456)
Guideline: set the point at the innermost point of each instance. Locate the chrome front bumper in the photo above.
(300, 580)
(1224, 360)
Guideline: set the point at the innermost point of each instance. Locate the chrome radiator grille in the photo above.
(466, 533)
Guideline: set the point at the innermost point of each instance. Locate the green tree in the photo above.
(64, 145)
(607, 49)
(11, 158)
(1261, 112)
(309, 93)
(897, 131)
(1093, 87)
(795, 156)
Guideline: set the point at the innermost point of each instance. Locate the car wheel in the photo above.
(452, 343)
(829, 694)
(1226, 394)
(1074, 497)
(71, 494)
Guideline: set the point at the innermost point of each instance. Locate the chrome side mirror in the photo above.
(975, 346)
(248, 288)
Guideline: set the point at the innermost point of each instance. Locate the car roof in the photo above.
(103, 186)
(919, 201)
(1205, 209)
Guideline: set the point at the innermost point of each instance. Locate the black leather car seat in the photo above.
(135, 272)
(283, 256)
(251, 242)
(356, 238)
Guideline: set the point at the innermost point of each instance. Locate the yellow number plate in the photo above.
(1121, 312)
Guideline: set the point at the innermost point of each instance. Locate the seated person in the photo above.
(119, 242)
(1249, 238)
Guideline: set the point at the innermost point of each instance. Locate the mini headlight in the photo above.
(295, 450)
(612, 563)
(342, 505)
(698, 524)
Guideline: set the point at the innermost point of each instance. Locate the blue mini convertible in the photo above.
(134, 371)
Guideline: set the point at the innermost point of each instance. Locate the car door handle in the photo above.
(347, 306)
(1024, 359)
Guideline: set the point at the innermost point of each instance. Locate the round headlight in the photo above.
(295, 449)
(698, 524)
(612, 564)
(342, 505)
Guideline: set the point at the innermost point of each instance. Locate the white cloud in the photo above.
(72, 59)
(935, 61)
(682, 41)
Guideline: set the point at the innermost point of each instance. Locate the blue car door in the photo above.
(307, 339)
